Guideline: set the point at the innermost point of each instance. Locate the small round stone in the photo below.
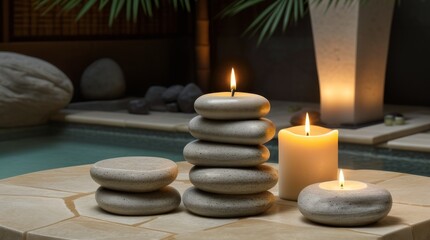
(223, 106)
(248, 132)
(201, 153)
(344, 207)
(127, 203)
(134, 174)
(226, 206)
(234, 180)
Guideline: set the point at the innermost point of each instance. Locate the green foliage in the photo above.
(276, 12)
(132, 7)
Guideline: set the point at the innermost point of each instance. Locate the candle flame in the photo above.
(341, 179)
(232, 82)
(307, 125)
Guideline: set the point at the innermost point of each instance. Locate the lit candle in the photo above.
(307, 155)
(344, 203)
(232, 105)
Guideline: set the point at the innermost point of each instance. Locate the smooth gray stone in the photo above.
(134, 174)
(188, 96)
(234, 180)
(222, 106)
(248, 132)
(172, 107)
(138, 106)
(159, 107)
(344, 207)
(103, 80)
(164, 200)
(226, 206)
(210, 154)
(172, 93)
(30, 90)
(153, 96)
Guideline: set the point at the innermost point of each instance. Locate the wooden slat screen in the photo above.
(28, 24)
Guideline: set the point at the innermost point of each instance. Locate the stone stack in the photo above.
(136, 185)
(229, 177)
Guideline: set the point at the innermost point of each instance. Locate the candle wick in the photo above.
(307, 134)
(232, 92)
(341, 185)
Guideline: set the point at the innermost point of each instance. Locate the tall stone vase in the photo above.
(351, 47)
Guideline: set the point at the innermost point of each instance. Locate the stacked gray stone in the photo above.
(136, 185)
(230, 178)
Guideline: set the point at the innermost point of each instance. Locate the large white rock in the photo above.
(223, 106)
(30, 90)
(134, 174)
(344, 207)
(103, 80)
(126, 203)
(248, 132)
(234, 180)
(223, 205)
(203, 153)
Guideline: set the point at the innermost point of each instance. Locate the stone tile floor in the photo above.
(60, 204)
(396, 137)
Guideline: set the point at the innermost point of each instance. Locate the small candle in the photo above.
(232, 105)
(307, 154)
(344, 203)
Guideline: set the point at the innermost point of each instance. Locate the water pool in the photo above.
(24, 150)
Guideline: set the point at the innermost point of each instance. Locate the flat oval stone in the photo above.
(234, 180)
(248, 132)
(344, 207)
(134, 174)
(226, 206)
(201, 153)
(223, 106)
(128, 203)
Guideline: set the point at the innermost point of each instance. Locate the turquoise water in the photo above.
(25, 150)
(53, 148)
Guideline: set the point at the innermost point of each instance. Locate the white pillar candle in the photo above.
(306, 157)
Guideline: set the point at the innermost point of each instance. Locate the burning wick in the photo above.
(341, 179)
(307, 125)
(232, 82)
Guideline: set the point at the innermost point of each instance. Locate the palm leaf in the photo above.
(132, 7)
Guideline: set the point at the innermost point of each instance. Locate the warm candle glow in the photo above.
(232, 82)
(307, 125)
(341, 179)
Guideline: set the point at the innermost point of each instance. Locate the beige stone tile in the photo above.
(379, 133)
(181, 186)
(15, 190)
(416, 142)
(90, 229)
(70, 179)
(22, 213)
(414, 218)
(259, 229)
(90, 117)
(187, 223)
(409, 189)
(164, 121)
(369, 176)
(389, 227)
(184, 169)
(286, 212)
(87, 206)
(395, 226)
(11, 234)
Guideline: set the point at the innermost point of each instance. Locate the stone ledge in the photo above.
(33, 194)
